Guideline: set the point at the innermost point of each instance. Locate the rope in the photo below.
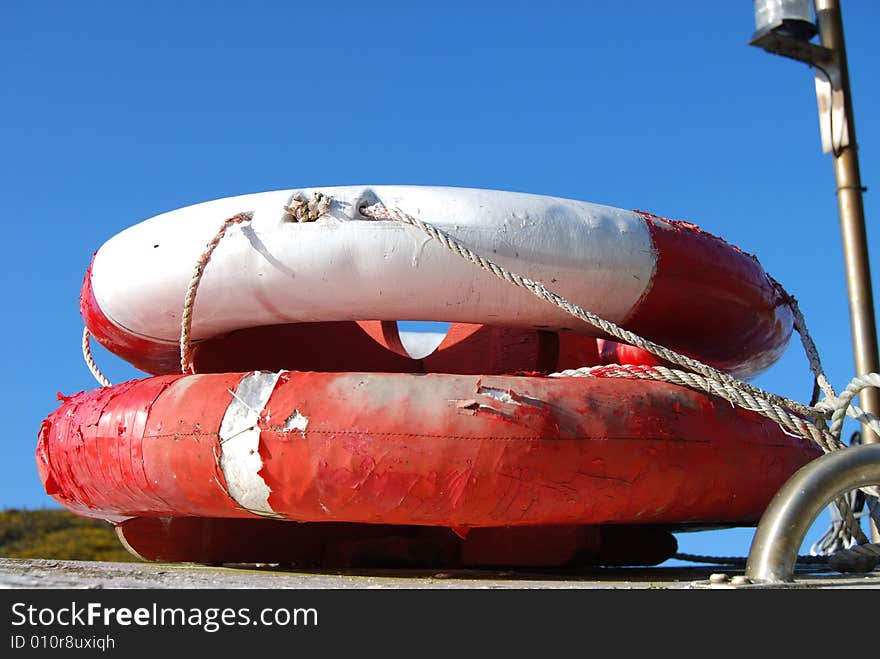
(699, 375)
(840, 405)
(740, 561)
(302, 210)
(800, 325)
(297, 208)
(190, 298)
(791, 424)
(90, 362)
(860, 558)
(757, 399)
(714, 381)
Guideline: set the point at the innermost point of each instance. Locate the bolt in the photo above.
(718, 578)
(740, 580)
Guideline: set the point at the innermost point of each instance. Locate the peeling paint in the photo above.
(501, 395)
(510, 396)
(297, 421)
(239, 433)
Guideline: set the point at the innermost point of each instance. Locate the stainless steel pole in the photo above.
(852, 221)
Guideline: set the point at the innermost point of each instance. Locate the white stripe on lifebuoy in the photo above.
(240, 459)
(345, 267)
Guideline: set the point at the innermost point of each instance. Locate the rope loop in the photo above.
(191, 290)
(298, 207)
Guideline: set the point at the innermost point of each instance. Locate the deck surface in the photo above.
(32, 574)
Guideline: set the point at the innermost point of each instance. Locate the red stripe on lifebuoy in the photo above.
(146, 354)
(711, 301)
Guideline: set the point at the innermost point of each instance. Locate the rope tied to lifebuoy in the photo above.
(790, 414)
(298, 208)
(191, 290)
(90, 361)
(793, 417)
(307, 210)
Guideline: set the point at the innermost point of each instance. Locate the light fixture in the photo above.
(785, 27)
(788, 18)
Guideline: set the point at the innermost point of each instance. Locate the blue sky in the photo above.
(114, 112)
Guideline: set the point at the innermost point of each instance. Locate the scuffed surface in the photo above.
(455, 451)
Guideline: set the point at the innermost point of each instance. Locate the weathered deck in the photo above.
(29, 573)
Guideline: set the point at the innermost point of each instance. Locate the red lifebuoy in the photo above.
(439, 450)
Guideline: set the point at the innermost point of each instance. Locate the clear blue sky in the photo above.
(113, 112)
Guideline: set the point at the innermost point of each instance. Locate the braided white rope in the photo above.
(757, 398)
(753, 397)
(90, 361)
(791, 424)
(800, 325)
(842, 405)
(191, 290)
(297, 208)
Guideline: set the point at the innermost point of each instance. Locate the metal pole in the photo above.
(852, 221)
(787, 519)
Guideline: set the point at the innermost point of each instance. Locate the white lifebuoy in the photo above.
(627, 267)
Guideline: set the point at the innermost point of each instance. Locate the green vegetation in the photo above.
(58, 534)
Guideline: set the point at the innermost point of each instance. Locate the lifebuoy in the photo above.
(436, 450)
(666, 280)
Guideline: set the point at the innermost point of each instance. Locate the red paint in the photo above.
(711, 301)
(396, 449)
(76, 468)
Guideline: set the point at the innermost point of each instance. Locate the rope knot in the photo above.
(860, 558)
(302, 210)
